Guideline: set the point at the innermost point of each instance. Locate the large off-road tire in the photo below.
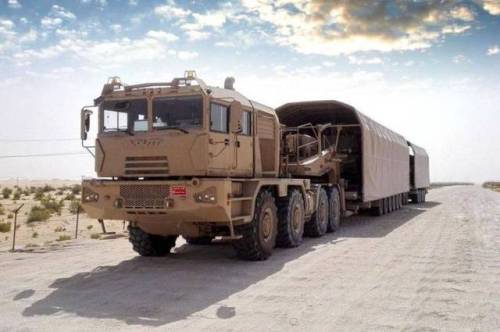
(318, 224)
(290, 220)
(148, 244)
(198, 241)
(333, 210)
(259, 236)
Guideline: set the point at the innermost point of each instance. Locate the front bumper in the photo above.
(193, 201)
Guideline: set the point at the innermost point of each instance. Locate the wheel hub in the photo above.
(267, 224)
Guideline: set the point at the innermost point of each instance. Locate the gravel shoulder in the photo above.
(428, 267)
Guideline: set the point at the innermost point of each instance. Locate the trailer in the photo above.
(375, 162)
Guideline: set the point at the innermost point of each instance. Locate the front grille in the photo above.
(146, 165)
(138, 196)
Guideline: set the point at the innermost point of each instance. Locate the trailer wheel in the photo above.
(318, 224)
(334, 210)
(148, 244)
(379, 209)
(259, 237)
(202, 240)
(385, 205)
(290, 220)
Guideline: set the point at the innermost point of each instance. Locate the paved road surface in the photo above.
(430, 267)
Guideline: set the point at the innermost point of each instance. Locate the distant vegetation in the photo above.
(6, 192)
(493, 185)
(446, 184)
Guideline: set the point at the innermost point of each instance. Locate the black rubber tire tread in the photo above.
(314, 227)
(249, 247)
(333, 210)
(286, 238)
(199, 241)
(148, 244)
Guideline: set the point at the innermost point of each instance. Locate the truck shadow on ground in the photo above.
(156, 291)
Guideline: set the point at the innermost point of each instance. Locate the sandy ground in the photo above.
(432, 267)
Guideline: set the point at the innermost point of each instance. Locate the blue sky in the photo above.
(427, 69)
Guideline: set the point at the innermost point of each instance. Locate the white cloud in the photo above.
(336, 27)
(13, 4)
(170, 10)
(162, 35)
(186, 55)
(456, 29)
(50, 23)
(106, 54)
(59, 11)
(29, 36)
(116, 28)
(493, 50)
(194, 35)
(491, 6)
(364, 61)
(459, 58)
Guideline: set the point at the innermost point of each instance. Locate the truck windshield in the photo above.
(178, 112)
(125, 115)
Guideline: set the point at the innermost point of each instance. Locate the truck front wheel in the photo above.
(258, 238)
(149, 244)
(290, 220)
(318, 224)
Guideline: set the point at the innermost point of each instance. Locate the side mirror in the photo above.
(84, 123)
(235, 117)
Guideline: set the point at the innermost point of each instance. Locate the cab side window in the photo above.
(246, 123)
(219, 118)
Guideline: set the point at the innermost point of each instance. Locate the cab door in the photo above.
(220, 142)
(243, 144)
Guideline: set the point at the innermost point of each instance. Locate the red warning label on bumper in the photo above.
(178, 191)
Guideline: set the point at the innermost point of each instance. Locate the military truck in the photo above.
(184, 158)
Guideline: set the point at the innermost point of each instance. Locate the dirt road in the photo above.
(425, 268)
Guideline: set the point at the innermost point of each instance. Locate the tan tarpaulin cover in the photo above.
(385, 161)
(422, 179)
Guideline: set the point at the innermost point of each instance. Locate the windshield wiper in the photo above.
(174, 128)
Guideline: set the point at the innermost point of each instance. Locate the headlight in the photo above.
(209, 195)
(89, 196)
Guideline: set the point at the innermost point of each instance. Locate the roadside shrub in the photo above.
(38, 213)
(10, 216)
(47, 188)
(89, 227)
(52, 204)
(2, 210)
(6, 192)
(69, 197)
(59, 193)
(95, 236)
(63, 238)
(74, 206)
(17, 195)
(59, 229)
(34, 235)
(4, 227)
(39, 195)
(76, 189)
